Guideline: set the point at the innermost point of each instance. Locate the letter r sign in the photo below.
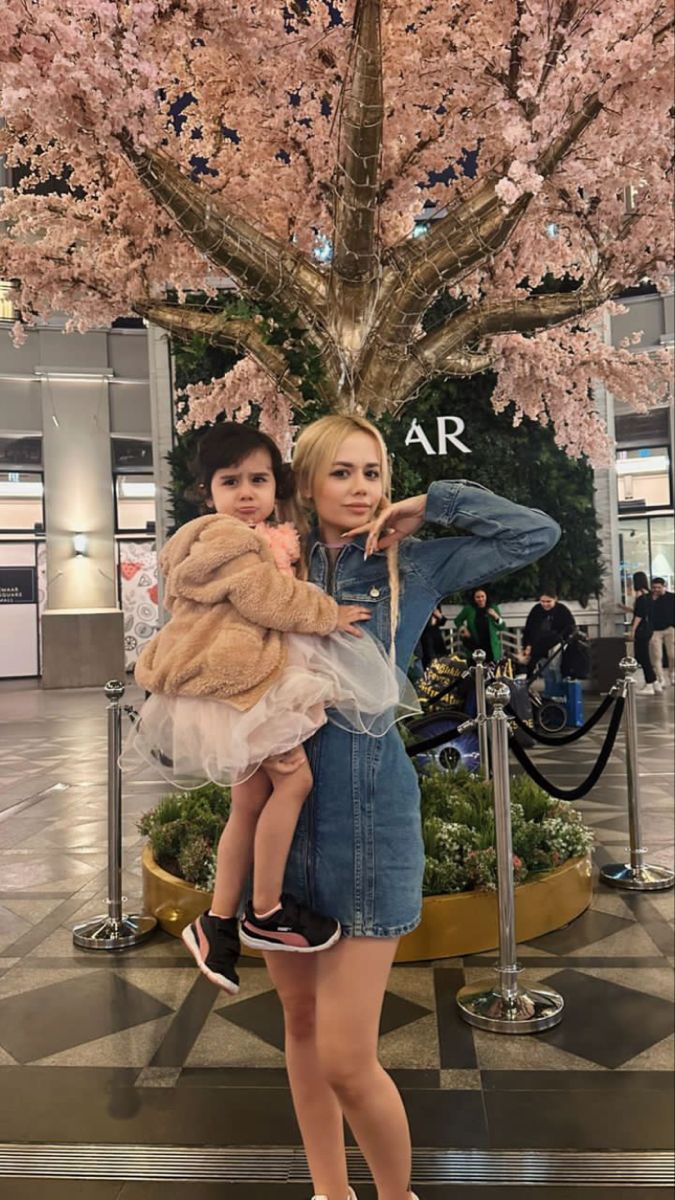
(446, 437)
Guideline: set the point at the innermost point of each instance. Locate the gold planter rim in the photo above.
(452, 925)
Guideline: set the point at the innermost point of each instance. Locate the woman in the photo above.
(358, 851)
(641, 632)
(479, 623)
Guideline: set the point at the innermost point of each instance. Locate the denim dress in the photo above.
(358, 853)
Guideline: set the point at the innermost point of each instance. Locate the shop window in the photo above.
(662, 538)
(21, 502)
(643, 478)
(135, 503)
(131, 455)
(646, 545)
(17, 452)
(7, 312)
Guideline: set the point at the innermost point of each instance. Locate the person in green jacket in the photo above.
(479, 623)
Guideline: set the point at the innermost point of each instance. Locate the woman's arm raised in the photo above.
(502, 536)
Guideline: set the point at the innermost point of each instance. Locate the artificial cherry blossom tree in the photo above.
(294, 147)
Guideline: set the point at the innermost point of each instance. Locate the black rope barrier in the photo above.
(583, 788)
(567, 737)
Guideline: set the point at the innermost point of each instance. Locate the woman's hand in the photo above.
(348, 614)
(493, 614)
(393, 524)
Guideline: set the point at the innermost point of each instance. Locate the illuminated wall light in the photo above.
(80, 544)
(75, 374)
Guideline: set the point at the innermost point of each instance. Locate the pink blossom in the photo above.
(255, 92)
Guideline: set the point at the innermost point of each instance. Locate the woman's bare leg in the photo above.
(351, 981)
(291, 784)
(235, 848)
(316, 1106)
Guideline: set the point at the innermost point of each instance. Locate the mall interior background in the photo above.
(85, 424)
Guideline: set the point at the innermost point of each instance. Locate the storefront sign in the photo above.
(18, 585)
(446, 436)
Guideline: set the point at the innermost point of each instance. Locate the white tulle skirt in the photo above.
(346, 680)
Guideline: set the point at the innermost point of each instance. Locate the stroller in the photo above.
(448, 695)
(554, 710)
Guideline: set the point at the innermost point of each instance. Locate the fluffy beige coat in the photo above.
(230, 607)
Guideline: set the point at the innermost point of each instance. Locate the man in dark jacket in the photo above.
(663, 635)
(548, 623)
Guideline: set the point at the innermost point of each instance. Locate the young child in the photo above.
(237, 687)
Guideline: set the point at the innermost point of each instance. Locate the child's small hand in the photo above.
(348, 614)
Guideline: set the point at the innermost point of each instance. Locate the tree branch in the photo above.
(474, 228)
(239, 333)
(263, 267)
(454, 348)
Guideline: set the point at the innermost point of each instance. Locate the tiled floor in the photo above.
(137, 1048)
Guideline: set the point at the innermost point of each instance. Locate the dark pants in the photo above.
(432, 644)
(642, 654)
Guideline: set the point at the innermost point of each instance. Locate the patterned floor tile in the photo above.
(588, 929)
(659, 1057)
(59, 1016)
(132, 1047)
(223, 1044)
(624, 1022)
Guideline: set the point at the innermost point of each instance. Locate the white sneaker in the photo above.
(352, 1196)
(658, 687)
(647, 690)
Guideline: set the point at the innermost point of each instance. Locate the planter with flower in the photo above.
(551, 862)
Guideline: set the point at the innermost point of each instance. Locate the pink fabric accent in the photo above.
(202, 939)
(289, 939)
(284, 542)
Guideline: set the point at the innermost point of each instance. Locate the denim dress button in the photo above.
(374, 592)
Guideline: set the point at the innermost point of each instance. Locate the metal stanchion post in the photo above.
(481, 713)
(637, 875)
(116, 930)
(503, 1006)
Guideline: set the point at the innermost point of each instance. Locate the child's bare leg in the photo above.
(291, 778)
(235, 848)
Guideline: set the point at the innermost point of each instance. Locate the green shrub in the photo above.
(459, 831)
(184, 830)
(457, 822)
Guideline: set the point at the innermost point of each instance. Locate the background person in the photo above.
(479, 624)
(432, 643)
(641, 632)
(548, 623)
(663, 635)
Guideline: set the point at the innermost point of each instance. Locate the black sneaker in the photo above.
(293, 927)
(213, 942)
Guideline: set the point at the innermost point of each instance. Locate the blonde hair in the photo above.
(315, 451)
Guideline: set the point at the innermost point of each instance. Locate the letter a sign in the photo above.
(445, 436)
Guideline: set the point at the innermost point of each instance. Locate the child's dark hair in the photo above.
(228, 443)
